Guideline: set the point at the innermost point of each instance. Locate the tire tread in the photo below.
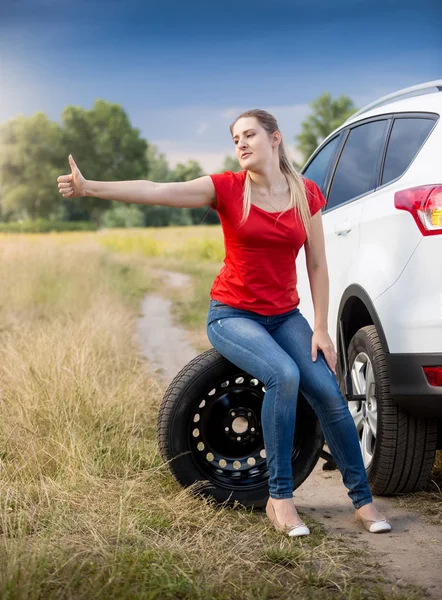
(405, 445)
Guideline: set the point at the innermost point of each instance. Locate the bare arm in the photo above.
(198, 192)
(317, 270)
(191, 194)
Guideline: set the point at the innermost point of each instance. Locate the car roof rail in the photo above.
(414, 90)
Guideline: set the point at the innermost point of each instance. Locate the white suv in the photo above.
(381, 173)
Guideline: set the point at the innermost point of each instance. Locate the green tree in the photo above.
(158, 165)
(123, 215)
(186, 171)
(231, 163)
(328, 114)
(106, 147)
(30, 160)
(161, 216)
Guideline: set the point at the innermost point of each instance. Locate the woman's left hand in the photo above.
(322, 341)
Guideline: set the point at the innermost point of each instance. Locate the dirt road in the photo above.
(163, 343)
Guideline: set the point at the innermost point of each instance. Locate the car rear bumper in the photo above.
(409, 386)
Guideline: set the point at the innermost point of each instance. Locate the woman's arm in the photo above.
(319, 285)
(186, 194)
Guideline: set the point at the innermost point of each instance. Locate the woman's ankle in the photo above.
(283, 503)
(285, 508)
(282, 500)
(364, 505)
(370, 511)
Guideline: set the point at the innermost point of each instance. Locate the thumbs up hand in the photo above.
(73, 185)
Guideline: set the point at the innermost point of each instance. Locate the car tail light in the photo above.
(425, 204)
(434, 375)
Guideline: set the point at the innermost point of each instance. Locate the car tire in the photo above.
(209, 433)
(402, 446)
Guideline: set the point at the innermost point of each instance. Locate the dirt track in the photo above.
(163, 343)
(411, 553)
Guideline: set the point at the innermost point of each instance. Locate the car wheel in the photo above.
(209, 431)
(398, 449)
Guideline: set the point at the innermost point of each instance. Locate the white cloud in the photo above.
(230, 113)
(202, 128)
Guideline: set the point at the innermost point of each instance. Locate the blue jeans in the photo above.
(277, 351)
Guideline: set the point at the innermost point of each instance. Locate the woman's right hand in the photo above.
(73, 185)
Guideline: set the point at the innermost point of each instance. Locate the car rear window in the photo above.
(358, 164)
(406, 139)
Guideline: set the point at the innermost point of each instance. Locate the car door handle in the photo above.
(343, 228)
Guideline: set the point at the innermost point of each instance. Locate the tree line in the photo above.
(33, 153)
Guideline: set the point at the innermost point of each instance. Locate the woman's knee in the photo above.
(286, 376)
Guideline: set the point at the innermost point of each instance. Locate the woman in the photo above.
(268, 212)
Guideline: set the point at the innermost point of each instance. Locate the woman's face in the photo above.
(253, 145)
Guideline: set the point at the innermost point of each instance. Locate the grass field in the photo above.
(87, 509)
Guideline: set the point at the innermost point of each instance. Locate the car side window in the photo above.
(358, 163)
(318, 167)
(406, 139)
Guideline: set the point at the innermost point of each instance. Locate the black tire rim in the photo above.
(225, 434)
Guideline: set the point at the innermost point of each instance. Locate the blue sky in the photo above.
(182, 71)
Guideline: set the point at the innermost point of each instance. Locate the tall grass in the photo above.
(199, 243)
(87, 510)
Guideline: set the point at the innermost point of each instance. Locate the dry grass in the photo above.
(87, 509)
(428, 502)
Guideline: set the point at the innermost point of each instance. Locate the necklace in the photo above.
(265, 199)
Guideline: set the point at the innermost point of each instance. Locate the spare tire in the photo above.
(209, 431)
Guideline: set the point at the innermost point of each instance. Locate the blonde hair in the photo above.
(298, 195)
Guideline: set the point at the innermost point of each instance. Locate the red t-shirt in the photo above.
(259, 270)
